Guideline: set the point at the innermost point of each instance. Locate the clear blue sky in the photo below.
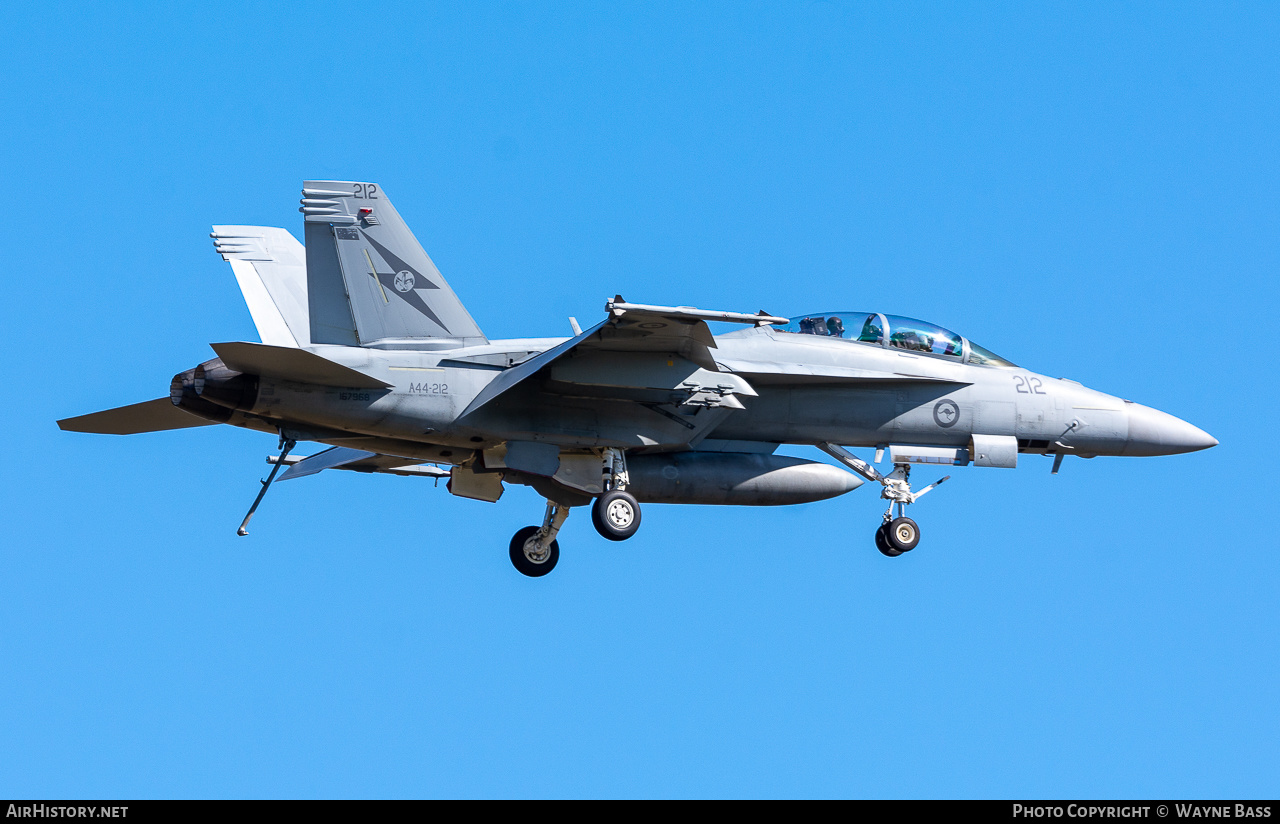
(1091, 192)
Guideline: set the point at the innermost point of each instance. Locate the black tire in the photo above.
(882, 543)
(526, 565)
(902, 534)
(616, 515)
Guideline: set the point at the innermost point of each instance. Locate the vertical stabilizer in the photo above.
(270, 267)
(369, 281)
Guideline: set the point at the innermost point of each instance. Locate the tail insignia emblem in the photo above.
(406, 281)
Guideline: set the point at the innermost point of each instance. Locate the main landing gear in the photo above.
(534, 549)
(897, 534)
(615, 514)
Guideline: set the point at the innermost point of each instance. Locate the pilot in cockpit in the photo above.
(835, 327)
(871, 332)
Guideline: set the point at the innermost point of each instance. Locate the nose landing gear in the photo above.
(882, 543)
(897, 534)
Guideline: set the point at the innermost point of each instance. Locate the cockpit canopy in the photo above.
(895, 332)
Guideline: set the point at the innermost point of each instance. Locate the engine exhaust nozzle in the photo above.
(182, 393)
(212, 381)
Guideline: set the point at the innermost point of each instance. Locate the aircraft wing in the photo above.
(638, 347)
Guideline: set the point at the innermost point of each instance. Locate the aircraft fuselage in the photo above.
(936, 402)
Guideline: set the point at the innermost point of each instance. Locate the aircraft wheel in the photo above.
(902, 534)
(616, 515)
(525, 557)
(882, 543)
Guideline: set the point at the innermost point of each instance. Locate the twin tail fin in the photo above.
(369, 282)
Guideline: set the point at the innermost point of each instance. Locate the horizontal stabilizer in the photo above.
(284, 363)
(149, 416)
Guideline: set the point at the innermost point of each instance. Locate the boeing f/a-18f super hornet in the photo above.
(367, 349)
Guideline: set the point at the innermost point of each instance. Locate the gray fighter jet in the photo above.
(365, 348)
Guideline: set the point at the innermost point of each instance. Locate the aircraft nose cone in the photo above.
(1152, 432)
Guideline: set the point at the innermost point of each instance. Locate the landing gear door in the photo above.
(994, 450)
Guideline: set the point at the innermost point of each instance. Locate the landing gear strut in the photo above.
(534, 549)
(616, 513)
(898, 534)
